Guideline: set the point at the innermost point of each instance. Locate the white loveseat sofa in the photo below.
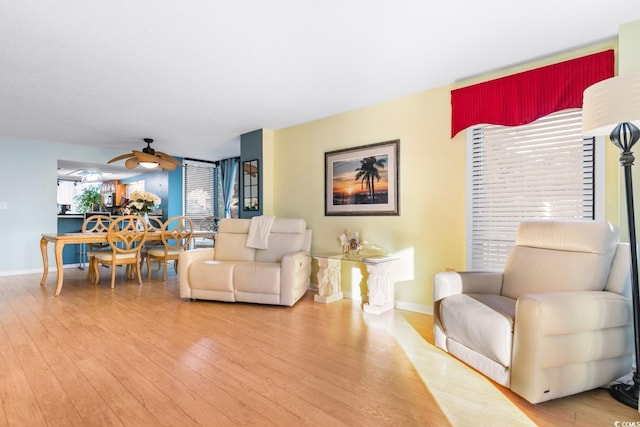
(557, 321)
(236, 272)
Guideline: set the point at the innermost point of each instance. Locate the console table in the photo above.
(379, 284)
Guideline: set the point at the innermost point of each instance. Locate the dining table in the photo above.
(59, 240)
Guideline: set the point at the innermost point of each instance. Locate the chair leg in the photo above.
(139, 274)
(113, 276)
(90, 269)
(96, 272)
(165, 266)
(148, 266)
(143, 259)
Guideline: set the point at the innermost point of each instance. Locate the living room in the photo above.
(429, 234)
(430, 231)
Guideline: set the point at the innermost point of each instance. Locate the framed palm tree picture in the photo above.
(363, 180)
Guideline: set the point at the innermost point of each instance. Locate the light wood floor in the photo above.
(141, 356)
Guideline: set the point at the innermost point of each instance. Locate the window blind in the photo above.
(541, 170)
(199, 189)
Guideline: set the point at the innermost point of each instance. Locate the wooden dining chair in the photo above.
(154, 224)
(209, 224)
(176, 236)
(94, 224)
(125, 236)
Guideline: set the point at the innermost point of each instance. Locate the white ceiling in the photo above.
(196, 74)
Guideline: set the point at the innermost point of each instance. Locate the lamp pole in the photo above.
(624, 136)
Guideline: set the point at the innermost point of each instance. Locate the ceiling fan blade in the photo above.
(144, 157)
(131, 163)
(169, 158)
(120, 157)
(169, 166)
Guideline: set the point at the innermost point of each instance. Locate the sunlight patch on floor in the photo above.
(452, 384)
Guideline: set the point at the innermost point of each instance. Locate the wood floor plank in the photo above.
(140, 355)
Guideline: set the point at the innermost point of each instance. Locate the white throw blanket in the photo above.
(259, 230)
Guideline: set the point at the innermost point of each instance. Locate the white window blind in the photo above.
(541, 170)
(199, 189)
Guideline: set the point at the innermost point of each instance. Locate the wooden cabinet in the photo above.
(113, 193)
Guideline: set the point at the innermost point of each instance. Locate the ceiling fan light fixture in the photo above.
(148, 158)
(148, 165)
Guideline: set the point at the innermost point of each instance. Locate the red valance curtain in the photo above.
(524, 97)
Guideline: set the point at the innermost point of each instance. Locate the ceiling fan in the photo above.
(148, 158)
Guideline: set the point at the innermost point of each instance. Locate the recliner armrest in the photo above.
(463, 282)
(185, 259)
(559, 334)
(295, 270)
(560, 313)
(295, 261)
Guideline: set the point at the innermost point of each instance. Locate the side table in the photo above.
(329, 288)
(379, 282)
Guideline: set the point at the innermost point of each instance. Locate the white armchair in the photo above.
(557, 321)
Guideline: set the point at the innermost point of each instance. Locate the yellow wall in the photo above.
(429, 234)
(268, 173)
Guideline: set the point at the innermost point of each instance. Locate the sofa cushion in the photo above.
(231, 241)
(559, 256)
(482, 322)
(257, 277)
(212, 275)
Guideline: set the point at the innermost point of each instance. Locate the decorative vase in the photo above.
(145, 218)
(345, 249)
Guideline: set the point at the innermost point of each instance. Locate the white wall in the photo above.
(28, 186)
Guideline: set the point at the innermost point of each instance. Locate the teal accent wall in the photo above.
(166, 185)
(251, 149)
(174, 207)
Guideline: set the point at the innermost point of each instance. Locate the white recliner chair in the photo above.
(557, 321)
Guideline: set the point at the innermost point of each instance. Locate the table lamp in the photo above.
(612, 107)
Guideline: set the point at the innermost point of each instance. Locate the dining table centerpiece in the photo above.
(141, 203)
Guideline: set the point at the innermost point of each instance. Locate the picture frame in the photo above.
(363, 180)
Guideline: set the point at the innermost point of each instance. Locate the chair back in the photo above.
(96, 224)
(154, 224)
(176, 233)
(210, 223)
(126, 234)
(557, 256)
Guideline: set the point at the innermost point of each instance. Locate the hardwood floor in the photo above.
(141, 356)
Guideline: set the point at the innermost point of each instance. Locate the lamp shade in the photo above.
(609, 103)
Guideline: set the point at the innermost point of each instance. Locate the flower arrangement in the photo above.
(350, 242)
(140, 203)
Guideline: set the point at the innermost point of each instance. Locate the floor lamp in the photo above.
(612, 107)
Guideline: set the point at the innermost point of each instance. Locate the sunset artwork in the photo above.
(361, 181)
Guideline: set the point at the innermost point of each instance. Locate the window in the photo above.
(134, 186)
(544, 169)
(199, 189)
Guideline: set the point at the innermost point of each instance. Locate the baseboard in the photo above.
(36, 270)
(409, 306)
(400, 305)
